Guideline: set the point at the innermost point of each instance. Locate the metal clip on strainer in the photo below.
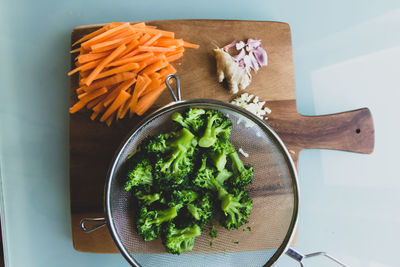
(274, 192)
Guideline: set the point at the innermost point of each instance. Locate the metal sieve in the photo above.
(274, 192)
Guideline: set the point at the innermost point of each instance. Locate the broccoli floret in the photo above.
(146, 199)
(205, 178)
(181, 198)
(217, 125)
(177, 240)
(149, 222)
(191, 120)
(236, 208)
(202, 209)
(173, 169)
(243, 175)
(219, 151)
(141, 174)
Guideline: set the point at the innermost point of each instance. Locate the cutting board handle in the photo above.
(349, 131)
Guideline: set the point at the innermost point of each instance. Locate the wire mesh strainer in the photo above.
(274, 192)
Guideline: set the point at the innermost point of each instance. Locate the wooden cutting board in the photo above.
(93, 144)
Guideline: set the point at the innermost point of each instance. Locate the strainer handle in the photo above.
(176, 97)
(297, 256)
(100, 223)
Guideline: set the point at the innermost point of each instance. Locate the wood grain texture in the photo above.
(93, 144)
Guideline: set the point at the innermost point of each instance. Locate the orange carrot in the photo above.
(110, 119)
(94, 115)
(87, 66)
(140, 86)
(104, 63)
(144, 38)
(137, 58)
(123, 68)
(156, 31)
(112, 44)
(154, 75)
(154, 84)
(156, 48)
(152, 39)
(73, 51)
(174, 57)
(105, 35)
(155, 67)
(120, 77)
(190, 45)
(146, 101)
(90, 35)
(122, 87)
(91, 56)
(170, 42)
(139, 25)
(131, 46)
(180, 49)
(82, 102)
(119, 100)
(95, 101)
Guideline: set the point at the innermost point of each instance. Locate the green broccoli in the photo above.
(236, 208)
(173, 169)
(217, 125)
(243, 175)
(149, 222)
(181, 198)
(146, 199)
(205, 178)
(202, 209)
(177, 240)
(141, 174)
(191, 120)
(219, 151)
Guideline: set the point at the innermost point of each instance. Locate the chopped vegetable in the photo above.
(252, 104)
(227, 68)
(113, 58)
(236, 69)
(180, 186)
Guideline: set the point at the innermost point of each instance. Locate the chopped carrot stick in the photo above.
(87, 66)
(120, 77)
(174, 57)
(119, 100)
(123, 68)
(155, 66)
(108, 45)
(73, 51)
(95, 101)
(154, 75)
(131, 46)
(152, 39)
(144, 38)
(131, 59)
(80, 90)
(139, 25)
(170, 42)
(91, 56)
(156, 48)
(154, 84)
(155, 31)
(190, 45)
(90, 35)
(99, 107)
(82, 95)
(104, 63)
(105, 35)
(94, 115)
(150, 61)
(177, 50)
(140, 86)
(122, 87)
(146, 101)
(110, 119)
(82, 102)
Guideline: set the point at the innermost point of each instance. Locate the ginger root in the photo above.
(227, 68)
